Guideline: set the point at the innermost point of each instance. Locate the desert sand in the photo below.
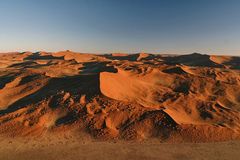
(121, 106)
(75, 148)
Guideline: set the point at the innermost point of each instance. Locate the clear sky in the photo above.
(164, 26)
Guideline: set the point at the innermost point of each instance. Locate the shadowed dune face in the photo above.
(120, 96)
(194, 59)
(231, 62)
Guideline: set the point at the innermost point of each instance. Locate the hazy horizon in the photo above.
(91, 26)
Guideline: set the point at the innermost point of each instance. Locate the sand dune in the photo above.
(190, 98)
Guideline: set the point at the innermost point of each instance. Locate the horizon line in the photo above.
(123, 52)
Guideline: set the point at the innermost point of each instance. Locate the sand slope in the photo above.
(120, 96)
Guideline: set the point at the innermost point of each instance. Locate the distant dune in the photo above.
(184, 98)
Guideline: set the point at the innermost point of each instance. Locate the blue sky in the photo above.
(165, 26)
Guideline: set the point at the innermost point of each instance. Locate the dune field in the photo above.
(119, 100)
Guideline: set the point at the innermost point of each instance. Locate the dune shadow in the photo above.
(234, 63)
(38, 56)
(97, 67)
(75, 85)
(130, 57)
(6, 79)
(195, 59)
(68, 119)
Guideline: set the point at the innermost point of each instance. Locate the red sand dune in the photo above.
(121, 96)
